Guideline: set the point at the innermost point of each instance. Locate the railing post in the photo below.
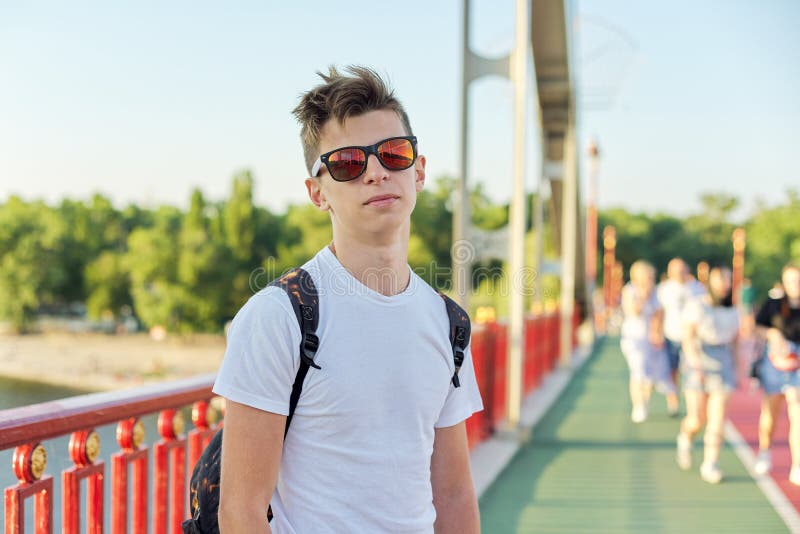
(84, 447)
(29, 465)
(535, 353)
(169, 506)
(204, 417)
(130, 435)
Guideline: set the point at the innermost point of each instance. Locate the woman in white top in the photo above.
(711, 328)
(641, 338)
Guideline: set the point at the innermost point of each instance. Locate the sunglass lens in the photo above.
(396, 154)
(346, 164)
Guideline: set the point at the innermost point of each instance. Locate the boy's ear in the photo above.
(315, 193)
(419, 173)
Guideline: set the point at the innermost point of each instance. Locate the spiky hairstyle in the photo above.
(340, 97)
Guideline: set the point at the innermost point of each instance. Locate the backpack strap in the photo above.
(459, 333)
(204, 483)
(302, 292)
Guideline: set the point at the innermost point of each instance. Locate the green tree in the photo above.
(30, 270)
(239, 218)
(108, 284)
(152, 260)
(204, 272)
(773, 239)
(432, 226)
(704, 236)
(91, 229)
(485, 213)
(712, 228)
(306, 230)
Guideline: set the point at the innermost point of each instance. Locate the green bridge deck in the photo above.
(587, 468)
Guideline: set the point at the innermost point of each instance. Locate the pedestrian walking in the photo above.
(778, 371)
(711, 326)
(642, 340)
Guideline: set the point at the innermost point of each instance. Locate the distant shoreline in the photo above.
(99, 362)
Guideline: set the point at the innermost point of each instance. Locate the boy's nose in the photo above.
(375, 171)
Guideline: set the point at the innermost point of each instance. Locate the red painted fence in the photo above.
(489, 350)
(164, 497)
(26, 428)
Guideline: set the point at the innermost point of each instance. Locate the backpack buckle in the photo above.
(309, 346)
(459, 342)
(458, 359)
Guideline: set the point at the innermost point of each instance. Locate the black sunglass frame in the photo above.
(372, 149)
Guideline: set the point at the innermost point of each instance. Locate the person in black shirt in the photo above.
(778, 322)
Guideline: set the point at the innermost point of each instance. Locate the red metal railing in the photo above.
(164, 496)
(489, 344)
(27, 427)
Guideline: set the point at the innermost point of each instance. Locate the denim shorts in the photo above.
(773, 380)
(718, 372)
(673, 349)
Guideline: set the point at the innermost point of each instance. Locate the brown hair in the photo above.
(724, 300)
(341, 97)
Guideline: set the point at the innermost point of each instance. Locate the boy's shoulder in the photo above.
(272, 298)
(275, 303)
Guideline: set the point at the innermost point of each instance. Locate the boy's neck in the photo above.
(381, 267)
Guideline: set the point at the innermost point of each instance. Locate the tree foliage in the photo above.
(191, 270)
(31, 270)
(773, 237)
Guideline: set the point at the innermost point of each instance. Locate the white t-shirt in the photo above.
(636, 327)
(715, 325)
(357, 455)
(673, 297)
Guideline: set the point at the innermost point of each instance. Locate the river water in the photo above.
(15, 393)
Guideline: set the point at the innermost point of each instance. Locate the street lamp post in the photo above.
(591, 226)
(591, 217)
(609, 261)
(702, 272)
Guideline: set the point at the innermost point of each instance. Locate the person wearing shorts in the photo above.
(641, 339)
(709, 376)
(778, 324)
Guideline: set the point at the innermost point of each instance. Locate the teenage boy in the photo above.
(377, 442)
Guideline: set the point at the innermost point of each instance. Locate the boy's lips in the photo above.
(381, 200)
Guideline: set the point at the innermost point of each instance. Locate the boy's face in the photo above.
(376, 206)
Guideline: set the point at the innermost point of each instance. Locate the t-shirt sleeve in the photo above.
(765, 313)
(461, 401)
(262, 356)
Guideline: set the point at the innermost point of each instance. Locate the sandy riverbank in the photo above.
(105, 362)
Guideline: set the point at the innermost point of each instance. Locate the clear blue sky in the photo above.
(144, 101)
